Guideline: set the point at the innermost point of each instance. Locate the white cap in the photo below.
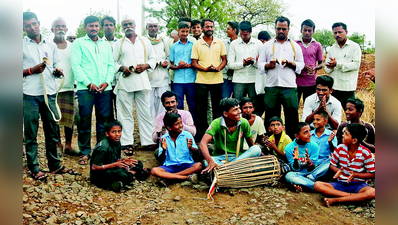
(152, 20)
(127, 17)
(70, 33)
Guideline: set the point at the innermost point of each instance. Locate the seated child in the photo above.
(256, 123)
(278, 141)
(325, 139)
(174, 149)
(107, 170)
(302, 155)
(351, 185)
(228, 132)
(355, 108)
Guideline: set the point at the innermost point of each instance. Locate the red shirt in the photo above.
(361, 163)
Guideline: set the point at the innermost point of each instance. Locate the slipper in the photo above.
(39, 176)
(164, 183)
(83, 160)
(64, 170)
(128, 150)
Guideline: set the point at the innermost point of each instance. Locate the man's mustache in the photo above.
(128, 29)
(61, 32)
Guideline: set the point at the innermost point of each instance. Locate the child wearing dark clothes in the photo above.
(107, 169)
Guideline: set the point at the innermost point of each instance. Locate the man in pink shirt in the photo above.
(312, 52)
(169, 101)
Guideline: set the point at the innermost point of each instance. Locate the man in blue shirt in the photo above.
(185, 75)
(175, 149)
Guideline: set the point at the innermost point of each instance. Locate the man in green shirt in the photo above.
(93, 67)
(228, 131)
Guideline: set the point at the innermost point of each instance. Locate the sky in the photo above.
(359, 15)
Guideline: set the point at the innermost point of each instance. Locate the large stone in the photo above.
(177, 198)
(190, 221)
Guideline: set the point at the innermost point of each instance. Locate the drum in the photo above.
(248, 172)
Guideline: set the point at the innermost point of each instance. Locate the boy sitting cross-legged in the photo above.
(278, 141)
(356, 165)
(174, 150)
(107, 169)
(302, 155)
(325, 139)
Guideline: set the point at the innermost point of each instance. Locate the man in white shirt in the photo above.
(159, 77)
(342, 63)
(232, 34)
(281, 58)
(66, 94)
(242, 58)
(39, 102)
(108, 25)
(133, 57)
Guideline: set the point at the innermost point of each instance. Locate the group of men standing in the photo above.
(111, 73)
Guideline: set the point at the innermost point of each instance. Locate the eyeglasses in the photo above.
(279, 28)
(71, 38)
(152, 26)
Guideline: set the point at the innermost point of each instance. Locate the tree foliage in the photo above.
(169, 11)
(325, 37)
(257, 11)
(100, 14)
(358, 38)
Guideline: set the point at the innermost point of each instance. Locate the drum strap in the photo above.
(225, 145)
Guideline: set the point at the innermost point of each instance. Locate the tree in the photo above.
(100, 14)
(325, 37)
(257, 11)
(358, 38)
(169, 11)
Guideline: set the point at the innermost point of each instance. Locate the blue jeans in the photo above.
(253, 151)
(87, 100)
(226, 88)
(189, 90)
(308, 179)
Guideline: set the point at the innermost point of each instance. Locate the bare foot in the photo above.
(327, 202)
(298, 188)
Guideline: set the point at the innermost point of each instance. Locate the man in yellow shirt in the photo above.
(209, 57)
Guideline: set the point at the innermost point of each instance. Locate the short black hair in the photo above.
(234, 25)
(170, 118)
(357, 131)
(168, 94)
(29, 16)
(299, 127)
(322, 113)
(309, 23)
(273, 119)
(227, 103)
(90, 19)
(186, 19)
(202, 23)
(245, 100)
(325, 80)
(358, 103)
(195, 22)
(338, 24)
(245, 26)
(111, 123)
(109, 18)
(282, 19)
(183, 24)
(264, 35)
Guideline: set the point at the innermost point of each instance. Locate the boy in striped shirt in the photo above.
(356, 166)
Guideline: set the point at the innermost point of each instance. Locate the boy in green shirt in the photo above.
(228, 132)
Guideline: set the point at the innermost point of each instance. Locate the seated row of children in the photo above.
(303, 161)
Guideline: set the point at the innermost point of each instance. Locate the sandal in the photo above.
(128, 150)
(71, 152)
(83, 160)
(64, 170)
(39, 176)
